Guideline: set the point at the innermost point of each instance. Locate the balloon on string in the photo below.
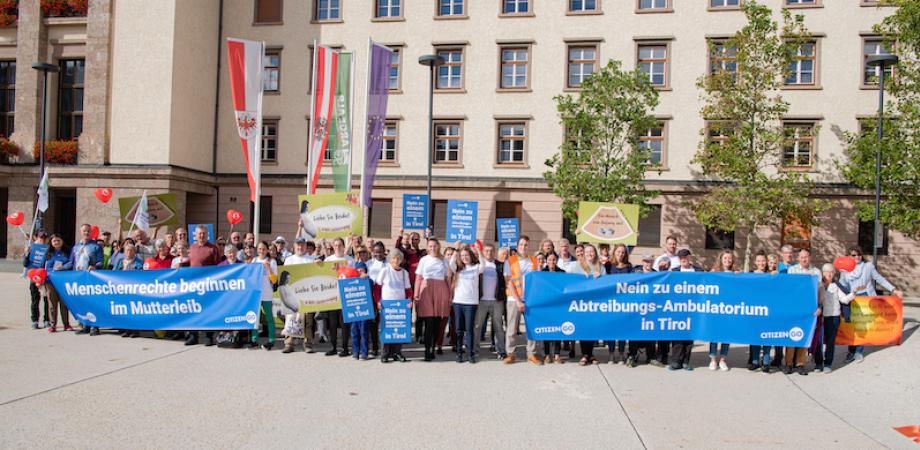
(347, 272)
(16, 218)
(94, 232)
(37, 276)
(234, 216)
(104, 194)
(845, 263)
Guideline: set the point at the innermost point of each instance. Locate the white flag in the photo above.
(43, 194)
(141, 216)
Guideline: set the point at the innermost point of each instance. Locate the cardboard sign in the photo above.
(508, 232)
(607, 223)
(415, 212)
(357, 303)
(161, 209)
(395, 322)
(309, 287)
(331, 215)
(461, 221)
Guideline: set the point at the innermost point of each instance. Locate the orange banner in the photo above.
(873, 321)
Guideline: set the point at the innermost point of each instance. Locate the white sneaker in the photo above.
(713, 365)
(723, 366)
(860, 358)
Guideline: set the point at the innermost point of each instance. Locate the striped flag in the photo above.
(340, 137)
(325, 71)
(245, 60)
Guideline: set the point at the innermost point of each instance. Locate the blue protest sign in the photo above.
(755, 309)
(461, 221)
(37, 255)
(508, 231)
(415, 212)
(194, 298)
(395, 322)
(209, 226)
(357, 304)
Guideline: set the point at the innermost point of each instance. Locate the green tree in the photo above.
(900, 146)
(601, 159)
(744, 107)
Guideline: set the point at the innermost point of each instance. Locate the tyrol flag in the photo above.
(330, 117)
(245, 59)
(377, 90)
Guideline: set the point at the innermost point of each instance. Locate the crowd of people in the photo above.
(464, 294)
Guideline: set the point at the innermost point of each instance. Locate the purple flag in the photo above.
(377, 92)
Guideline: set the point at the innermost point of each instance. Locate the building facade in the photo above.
(156, 113)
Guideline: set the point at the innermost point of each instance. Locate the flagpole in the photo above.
(257, 167)
(311, 124)
(351, 119)
(367, 106)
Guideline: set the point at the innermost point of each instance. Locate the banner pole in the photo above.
(311, 124)
(257, 167)
(351, 118)
(367, 106)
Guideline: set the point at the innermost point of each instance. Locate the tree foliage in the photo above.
(742, 102)
(900, 146)
(601, 159)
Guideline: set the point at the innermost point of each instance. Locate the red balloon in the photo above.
(16, 218)
(37, 276)
(104, 194)
(348, 272)
(94, 232)
(234, 216)
(845, 263)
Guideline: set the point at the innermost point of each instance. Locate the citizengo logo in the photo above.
(89, 317)
(568, 328)
(795, 334)
(250, 317)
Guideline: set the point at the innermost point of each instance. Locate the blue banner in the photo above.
(194, 298)
(461, 221)
(37, 256)
(415, 212)
(395, 322)
(357, 304)
(209, 226)
(508, 232)
(756, 309)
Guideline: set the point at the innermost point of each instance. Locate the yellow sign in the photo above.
(607, 223)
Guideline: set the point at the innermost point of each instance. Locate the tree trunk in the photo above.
(747, 250)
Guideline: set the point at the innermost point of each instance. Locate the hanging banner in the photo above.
(607, 223)
(378, 89)
(331, 215)
(161, 210)
(357, 303)
(755, 309)
(461, 221)
(873, 321)
(340, 141)
(193, 298)
(245, 61)
(325, 72)
(508, 232)
(415, 212)
(395, 322)
(307, 287)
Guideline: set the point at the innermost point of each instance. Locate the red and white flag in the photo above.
(245, 60)
(325, 65)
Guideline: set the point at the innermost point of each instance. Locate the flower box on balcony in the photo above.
(64, 8)
(58, 152)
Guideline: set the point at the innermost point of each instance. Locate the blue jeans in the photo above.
(465, 324)
(755, 357)
(856, 349)
(619, 346)
(714, 347)
(360, 337)
(826, 357)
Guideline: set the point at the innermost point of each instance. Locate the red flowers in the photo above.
(64, 8)
(9, 12)
(8, 148)
(58, 152)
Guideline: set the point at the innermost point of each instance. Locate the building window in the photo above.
(327, 10)
(7, 97)
(716, 4)
(510, 210)
(653, 62)
(864, 238)
(70, 99)
(515, 6)
(718, 132)
(653, 142)
(875, 47)
(801, 3)
(269, 140)
(582, 62)
(719, 240)
(802, 68)
(439, 214)
(514, 68)
(390, 142)
(580, 6)
(447, 142)
(380, 220)
(650, 226)
(265, 215)
(799, 146)
(448, 8)
(271, 77)
(450, 74)
(653, 5)
(512, 141)
(395, 63)
(268, 11)
(722, 58)
(388, 9)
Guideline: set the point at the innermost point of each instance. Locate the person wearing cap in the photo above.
(679, 354)
(40, 238)
(670, 247)
(360, 329)
(281, 246)
(648, 265)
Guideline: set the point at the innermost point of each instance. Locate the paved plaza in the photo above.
(66, 391)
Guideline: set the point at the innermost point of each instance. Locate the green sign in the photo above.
(607, 223)
(307, 287)
(161, 209)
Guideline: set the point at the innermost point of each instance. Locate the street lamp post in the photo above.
(880, 61)
(44, 68)
(431, 61)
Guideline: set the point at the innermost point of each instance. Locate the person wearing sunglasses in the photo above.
(864, 276)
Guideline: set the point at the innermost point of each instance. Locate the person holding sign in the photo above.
(725, 263)
(466, 271)
(57, 259)
(432, 294)
(394, 285)
(679, 354)
(833, 297)
(796, 356)
(86, 255)
(271, 277)
(518, 265)
(492, 299)
(201, 254)
(866, 275)
(34, 258)
(590, 266)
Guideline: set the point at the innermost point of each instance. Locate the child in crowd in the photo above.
(394, 285)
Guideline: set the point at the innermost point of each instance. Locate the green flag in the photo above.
(340, 137)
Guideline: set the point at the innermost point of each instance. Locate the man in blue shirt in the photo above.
(86, 255)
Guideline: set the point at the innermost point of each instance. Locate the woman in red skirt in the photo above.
(432, 294)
